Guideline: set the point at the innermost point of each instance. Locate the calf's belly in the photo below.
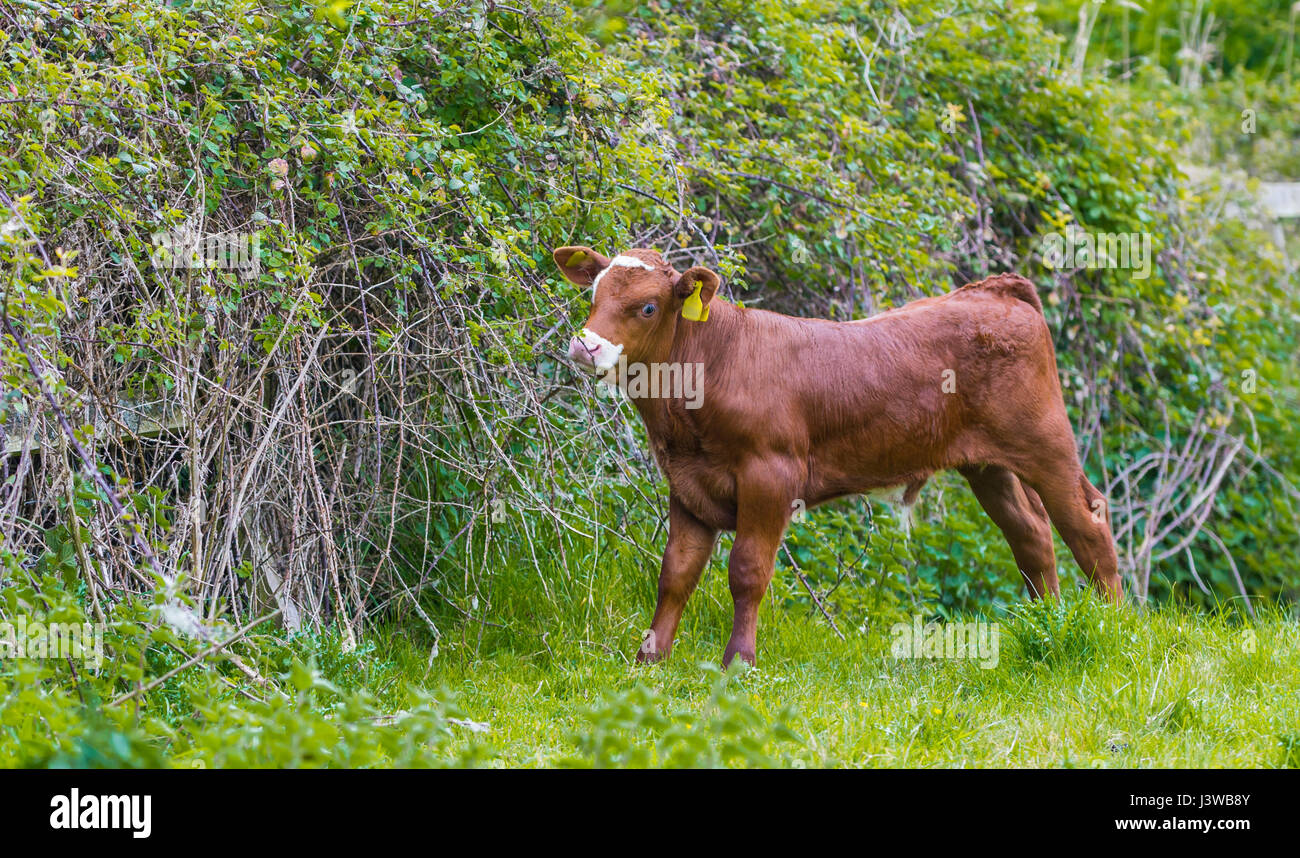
(847, 467)
(878, 464)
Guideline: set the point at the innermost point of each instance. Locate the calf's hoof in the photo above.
(733, 652)
(651, 656)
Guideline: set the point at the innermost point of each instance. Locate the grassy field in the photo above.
(543, 675)
(1076, 683)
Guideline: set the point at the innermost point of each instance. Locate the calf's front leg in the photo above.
(690, 542)
(765, 494)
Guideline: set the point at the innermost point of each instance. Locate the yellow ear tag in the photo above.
(576, 258)
(694, 308)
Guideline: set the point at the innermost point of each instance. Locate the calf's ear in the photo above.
(695, 288)
(580, 264)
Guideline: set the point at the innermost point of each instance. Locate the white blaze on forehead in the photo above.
(619, 262)
(604, 353)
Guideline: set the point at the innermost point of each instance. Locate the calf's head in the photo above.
(636, 301)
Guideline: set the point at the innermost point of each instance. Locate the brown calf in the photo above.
(811, 410)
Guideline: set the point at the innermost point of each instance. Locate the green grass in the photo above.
(544, 676)
(1077, 683)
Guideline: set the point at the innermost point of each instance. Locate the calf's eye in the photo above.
(648, 310)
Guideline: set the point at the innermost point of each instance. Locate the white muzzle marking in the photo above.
(604, 354)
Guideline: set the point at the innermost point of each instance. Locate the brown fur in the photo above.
(813, 410)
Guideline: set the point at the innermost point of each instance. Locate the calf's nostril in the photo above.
(579, 350)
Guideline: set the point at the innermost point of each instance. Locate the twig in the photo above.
(144, 689)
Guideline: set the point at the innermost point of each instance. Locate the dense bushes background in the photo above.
(1230, 66)
(379, 424)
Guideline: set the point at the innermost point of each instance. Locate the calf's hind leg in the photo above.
(1018, 512)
